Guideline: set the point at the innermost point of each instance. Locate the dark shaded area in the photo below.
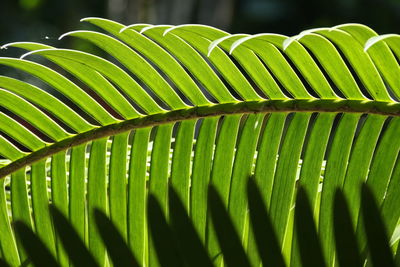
(307, 237)
(228, 239)
(346, 240)
(168, 239)
(38, 252)
(77, 252)
(263, 229)
(162, 238)
(378, 241)
(3, 263)
(118, 250)
(188, 242)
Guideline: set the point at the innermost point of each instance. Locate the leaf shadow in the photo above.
(309, 244)
(265, 237)
(36, 250)
(188, 241)
(228, 239)
(347, 250)
(177, 243)
(162, 235)
(74, 246)
(378, 242)
(117, 248)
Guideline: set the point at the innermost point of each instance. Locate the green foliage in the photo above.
(178, 244)
(175, 110)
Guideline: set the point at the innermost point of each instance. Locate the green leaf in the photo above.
(264, 233)
(161, 235)
(118, 183)
(7, 238)
(65, 86)
(378, 242)
(135, 63)
(72, 242)
(228, 238)
(156, 54)
(193, 61)
(335, 171)
(202, 164)
(35, 248)
(283, 189)
(192, 250)
(348, 252)
(96, 196)
(137, 228)
(40, 202)
(77, 187)
(159, 178)
(117, 248)
(310, 248)
(20, 206)
(187, 107)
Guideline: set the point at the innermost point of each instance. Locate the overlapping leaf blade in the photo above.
(177, 110)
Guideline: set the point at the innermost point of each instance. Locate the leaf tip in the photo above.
(156, 26)
(239, 42)
(26, 54)
(63, 35)
(216, 42)
(5, 46)
(212, 45)
(67, 34)
(333, 28)
(87, 19)
(370, 42)
(373, 40)
(145, 29)
(34, 52)
(13, 44)
(288, 41)
(175, 27)
(124, 28)
(170, 29)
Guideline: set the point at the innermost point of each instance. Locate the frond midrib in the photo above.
(265, 106)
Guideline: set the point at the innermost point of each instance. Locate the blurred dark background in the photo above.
(34, 20)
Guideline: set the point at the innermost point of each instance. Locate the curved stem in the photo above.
(266, 106)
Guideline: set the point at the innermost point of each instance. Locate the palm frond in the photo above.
(191, 106)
